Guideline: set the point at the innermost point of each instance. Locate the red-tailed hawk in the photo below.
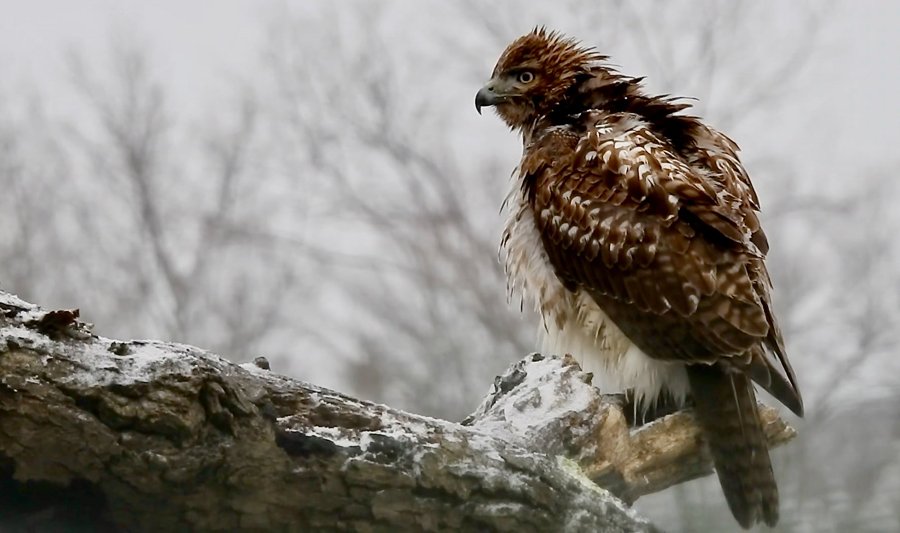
(633, 230)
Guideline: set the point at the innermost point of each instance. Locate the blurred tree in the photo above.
(346, 205)
(141, 221)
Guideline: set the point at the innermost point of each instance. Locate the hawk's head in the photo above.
(533, 75)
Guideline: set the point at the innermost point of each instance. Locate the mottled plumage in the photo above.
(633, 230)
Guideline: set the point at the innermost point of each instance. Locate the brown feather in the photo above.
(676, 262)
(725, 406)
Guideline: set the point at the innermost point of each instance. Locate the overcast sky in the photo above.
(845, 126)
(197, 44)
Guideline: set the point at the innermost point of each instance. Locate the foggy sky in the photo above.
(840, 124)
(854, 76)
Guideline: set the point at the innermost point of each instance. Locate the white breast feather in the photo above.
(572, 323)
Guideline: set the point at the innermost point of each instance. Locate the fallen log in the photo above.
(156, 436)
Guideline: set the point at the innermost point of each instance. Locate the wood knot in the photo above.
(223, 403)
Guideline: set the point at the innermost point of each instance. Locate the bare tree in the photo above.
(133, 185)
(32, 167)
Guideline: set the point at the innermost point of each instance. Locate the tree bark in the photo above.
(154, 436)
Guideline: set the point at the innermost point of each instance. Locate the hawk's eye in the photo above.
(525, 77)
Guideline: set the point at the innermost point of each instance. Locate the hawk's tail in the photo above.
(725, 404)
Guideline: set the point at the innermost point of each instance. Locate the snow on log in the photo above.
(154, 436)
(549, 405)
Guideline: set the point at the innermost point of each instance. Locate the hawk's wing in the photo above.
(667, 250)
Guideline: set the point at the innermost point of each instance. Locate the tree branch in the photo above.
(548, 405)
(165, 436)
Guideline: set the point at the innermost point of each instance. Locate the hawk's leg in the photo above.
(637, 415)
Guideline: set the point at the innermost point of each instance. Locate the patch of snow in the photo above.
(27, 338)
(501, 508)
(14, 301)
(549, 392)
(255, 370)
(338, 436)
(31, 314)
(144, 361)
(420, 426)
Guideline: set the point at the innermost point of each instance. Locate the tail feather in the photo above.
(725, 403)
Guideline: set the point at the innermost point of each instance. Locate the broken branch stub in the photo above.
(548, 404)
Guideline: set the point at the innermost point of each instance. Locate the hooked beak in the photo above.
(487, 96)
